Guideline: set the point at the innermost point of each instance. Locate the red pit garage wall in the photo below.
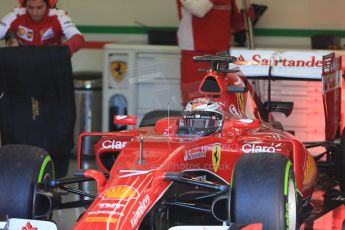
(307, 119)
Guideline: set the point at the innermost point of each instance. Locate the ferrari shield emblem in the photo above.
(118, 70)
(216, 152)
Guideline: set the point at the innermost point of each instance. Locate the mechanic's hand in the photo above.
(74, 43)
(69, 48)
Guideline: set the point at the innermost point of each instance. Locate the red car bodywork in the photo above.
(136, 184)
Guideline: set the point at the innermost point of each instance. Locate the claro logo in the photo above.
(259, 148)
(113, 144)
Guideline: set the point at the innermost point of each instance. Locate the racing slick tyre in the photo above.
(263, 191)
(340, 162)
(150, 118)
(22, 169)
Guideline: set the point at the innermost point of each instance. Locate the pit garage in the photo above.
(153, 123)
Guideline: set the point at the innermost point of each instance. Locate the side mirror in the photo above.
(279, 106)
(125, 120)
(246, 123)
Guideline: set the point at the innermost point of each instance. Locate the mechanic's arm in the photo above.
(74, 39)
(237, 17)
(74, 43)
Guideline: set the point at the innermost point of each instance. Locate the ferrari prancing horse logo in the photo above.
(118, 70)
(216, 152)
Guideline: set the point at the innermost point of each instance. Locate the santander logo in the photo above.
(258, 60)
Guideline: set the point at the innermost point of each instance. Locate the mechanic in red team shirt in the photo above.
(39, 23)
(205, 28)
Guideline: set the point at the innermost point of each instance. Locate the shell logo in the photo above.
(120, 193)
(21, 32)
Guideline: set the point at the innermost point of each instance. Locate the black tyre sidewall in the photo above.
(340, 162)
(257, 194)
(21, 168)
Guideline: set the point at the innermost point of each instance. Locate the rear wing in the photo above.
(299, 65)
(293, 65)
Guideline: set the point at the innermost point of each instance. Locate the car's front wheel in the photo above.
(263, 191)
(23, 171)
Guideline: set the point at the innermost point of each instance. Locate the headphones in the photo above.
(51, 3)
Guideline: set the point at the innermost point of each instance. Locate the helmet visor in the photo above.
(200, 122)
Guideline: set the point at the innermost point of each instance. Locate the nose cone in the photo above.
(120, 206)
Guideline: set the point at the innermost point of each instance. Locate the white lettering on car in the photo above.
(196, 153)
(140, 210)
(256, 148)
(104, 212)
(113, 209)
(110, 205)
(113, 144)
(193, 155)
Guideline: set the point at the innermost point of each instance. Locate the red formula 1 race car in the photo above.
(221, 164)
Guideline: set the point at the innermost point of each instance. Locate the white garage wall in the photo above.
(114, 12)
(303, 14)
(286, 24)
(292, 14)
(123, 12)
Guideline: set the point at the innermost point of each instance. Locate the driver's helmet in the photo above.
(201, 116)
